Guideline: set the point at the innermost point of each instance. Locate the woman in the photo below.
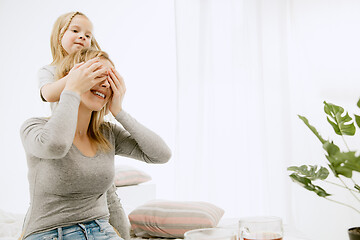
(71, 155)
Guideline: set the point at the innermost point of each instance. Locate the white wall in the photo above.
(323, 65)
(139, 37)
(315, 43)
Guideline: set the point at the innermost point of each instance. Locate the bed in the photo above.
(10, 227)
(135, 191)
(131, 197)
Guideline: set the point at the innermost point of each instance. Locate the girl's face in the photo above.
(78, 35)
(96, 98)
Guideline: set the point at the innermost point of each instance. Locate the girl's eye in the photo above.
(75, 31)
(88, 36)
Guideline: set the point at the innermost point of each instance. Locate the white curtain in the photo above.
(246, 68)
(233, 115)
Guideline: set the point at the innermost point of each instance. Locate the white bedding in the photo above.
(11, 224)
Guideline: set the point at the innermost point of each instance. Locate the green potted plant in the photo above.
(341, 163)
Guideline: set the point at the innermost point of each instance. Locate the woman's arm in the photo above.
(136, 141)
(139, 142)
(52, 138)
(118, 218)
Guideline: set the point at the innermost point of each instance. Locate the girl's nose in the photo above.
(82, 36)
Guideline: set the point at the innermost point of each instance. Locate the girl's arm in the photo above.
(53, 138)
(50, 92)
(46, 77)
(50, 89)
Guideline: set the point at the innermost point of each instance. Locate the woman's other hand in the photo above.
(118, 87)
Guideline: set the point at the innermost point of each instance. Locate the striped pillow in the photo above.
(171, 219)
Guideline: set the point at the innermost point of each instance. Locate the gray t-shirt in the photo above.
(118, 217)
(46, 75)
(67, 187)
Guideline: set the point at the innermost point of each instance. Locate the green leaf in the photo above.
(358, 103)
(357, 120)
(310, 172)
(313, 129)
(343, 163)
(307, 184)
(341, 123)
(331, 148)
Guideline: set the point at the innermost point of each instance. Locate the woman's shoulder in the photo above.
(110, 129)
(34, 121)
(31, 124)
(107, 127)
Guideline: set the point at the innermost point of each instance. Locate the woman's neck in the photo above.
(83, 121)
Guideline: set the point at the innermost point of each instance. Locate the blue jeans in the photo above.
(94, 230)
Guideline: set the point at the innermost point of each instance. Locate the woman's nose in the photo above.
(105, 84)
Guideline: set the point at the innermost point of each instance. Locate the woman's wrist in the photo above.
(116, 112)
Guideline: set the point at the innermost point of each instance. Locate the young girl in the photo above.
(71, 155)
(71, 33)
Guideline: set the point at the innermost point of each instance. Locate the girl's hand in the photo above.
(83, 76)
(118, 88)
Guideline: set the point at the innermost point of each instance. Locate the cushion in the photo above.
(126, 176)
(171, 219)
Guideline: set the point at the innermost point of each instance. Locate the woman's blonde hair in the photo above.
(59, 28)
(97, 123)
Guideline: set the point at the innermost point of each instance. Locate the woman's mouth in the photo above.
(98, 94)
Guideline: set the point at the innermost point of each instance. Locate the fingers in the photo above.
(116, 85)
(114, 80)
(78, 65)
(118, 75)
(90, 62)
(94, 67)
(118, 80)
(99, 79)
(112, 85)
(99, 72)
(97, 66)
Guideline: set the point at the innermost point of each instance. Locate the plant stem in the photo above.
(349, 190)
(344, 204)
(351, 178)
(353, 182)
(339, 185)
(345, 143)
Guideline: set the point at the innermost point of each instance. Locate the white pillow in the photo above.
(126, 176)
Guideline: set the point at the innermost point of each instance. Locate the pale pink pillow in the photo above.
(126, 176)
(171, 219)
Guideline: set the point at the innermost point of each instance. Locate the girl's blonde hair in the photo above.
(97, 124)
(59, 28)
